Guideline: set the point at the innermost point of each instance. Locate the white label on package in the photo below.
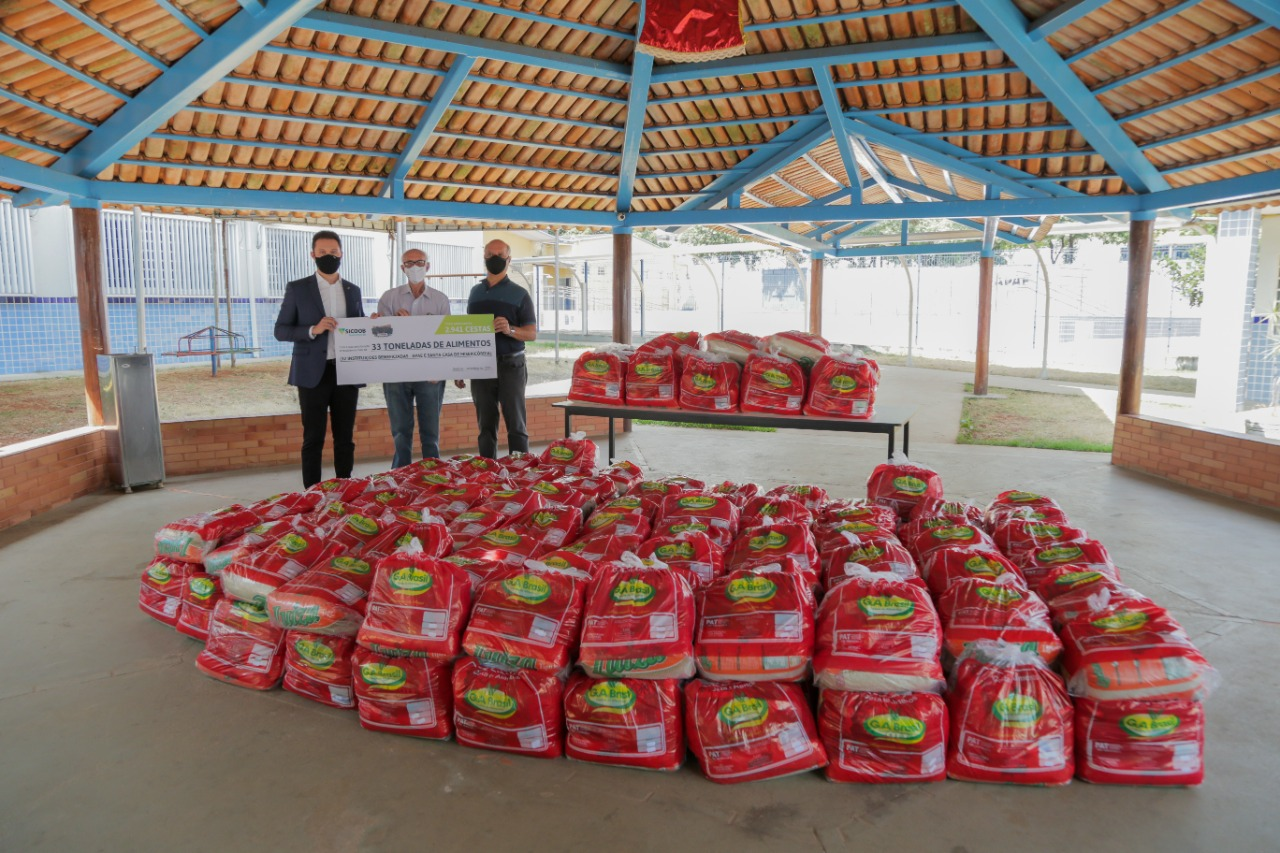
(351, 593)
(662, 626)
(422, 712)
(1051, 751)
(534, 737)
(434, 623)
(341, 695)
(786, 626)
(923, 646)
(542, 629)
(933, 760)
(260, 657)
(171, 606)
(650, 739)
(793, 740)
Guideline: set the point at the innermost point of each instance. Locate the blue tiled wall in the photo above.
(1261, 370)
(42, 334)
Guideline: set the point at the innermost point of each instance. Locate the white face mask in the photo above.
(416, 275)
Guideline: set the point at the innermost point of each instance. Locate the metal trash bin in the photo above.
(135, 449)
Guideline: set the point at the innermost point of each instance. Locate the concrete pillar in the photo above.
(982, 351)
(86, 229)
(816, 267)
(1132, 354)
(622, 285)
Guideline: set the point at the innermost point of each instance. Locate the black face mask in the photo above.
(495, 264)
(328, 264)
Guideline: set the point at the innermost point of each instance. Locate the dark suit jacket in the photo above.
(301, 309)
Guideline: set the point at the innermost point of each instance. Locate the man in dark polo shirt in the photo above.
(515, 323)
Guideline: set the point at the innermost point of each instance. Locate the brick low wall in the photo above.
(228, 444)
(1224, 463)
(37, 476)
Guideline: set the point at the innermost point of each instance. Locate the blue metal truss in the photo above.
(440, 103)
(188, 78)
(1042, 64)
(1264, 10)
(637, 104)
(182, 17)
(962, 248)
(42, 179)
(832, 106)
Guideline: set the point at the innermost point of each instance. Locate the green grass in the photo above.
(1032, 419)
(707, 426)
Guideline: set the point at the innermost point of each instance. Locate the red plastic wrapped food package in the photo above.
(609, 522)
(417, 607)
(867, 553)
(251, 577)
(519, 711)
(243, 648)
(595, 549)
(565, 494)
(731, 344)
(1018, 537)
(624, 722)
(550, 527)
(961, 512)
(1140, 742)
(353, 532)
(903, 486)
(947, 535)
(974, 609)
(672, 341)
(251, 540)
(468, 526)
(813, 497)
(319, 668)
(945, 566)
(754, 627)
(719, 514)
(739, 493)
(802, 347)
(1016, 503)
(831, 536)
(746, 731)
(598, 377)
(1010, 717)
(1132, 650)
(597, 487)
(652, 379)
(284, 505)
(879, 633)
(514, 502)
(526, 619)
(756, 509)
(160, 593)
(883, 737)
(693, 554)
(509, 545)
(575, 454)
(403, 696)
(709, 383)
(200, 595)
(637, 622)
(1070, 589)
(340, 488)
(430, 532)
(772, 385)
(479, 469)
(623, 474)
(839, 511)
(189, 539)
(1037, 564)
(842, 386)
(320, 602)
(760, 546)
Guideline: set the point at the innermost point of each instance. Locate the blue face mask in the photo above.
(328, 264)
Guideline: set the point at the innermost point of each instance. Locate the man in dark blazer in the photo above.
(308, 317)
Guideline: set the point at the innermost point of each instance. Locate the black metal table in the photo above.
(885, 421)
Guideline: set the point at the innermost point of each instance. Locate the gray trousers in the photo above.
(506, 393)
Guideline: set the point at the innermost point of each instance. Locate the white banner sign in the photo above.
(416, 349)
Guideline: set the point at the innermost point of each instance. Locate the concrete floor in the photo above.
(112, 740)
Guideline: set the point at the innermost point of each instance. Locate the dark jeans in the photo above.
(328, 402)
(505, 393)
(401, 399)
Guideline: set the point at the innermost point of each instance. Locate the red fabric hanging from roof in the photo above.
(691, 30)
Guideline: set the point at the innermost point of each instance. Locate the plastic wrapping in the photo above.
(251, 540)
(880, 633)
(417, 607)
(1140, 742)
(883, 737)
(842, 386)
(802, 347)
(739, 493)
(1014, 503)
(518, 711)
(550, 527)
(598, 377)
(709, 383)
(754, 626)
(624, 475)
(760, 546)
(693, 554)
(574, 455)
(840, 511)
(251, 577)
(653, 379)
(200, 595)
(755, 510)
(243, 648)
(902, 485)
(403, 696)
(732, 344)
(1037, 564)
(189, 539)
(974, 609)
(160, 591)
(526, 619)
(746, 731)
(320, 602)
(284, 505)
(1020, 537)
(772, 385)
(470, 525)
(514, 502)
(945, 566)
(1011, 719)
(637, 622)
(624, 722)
(509, 545)
(319, 668)
(718, 513)
(948, 535)
(866, 553)
(813, 497)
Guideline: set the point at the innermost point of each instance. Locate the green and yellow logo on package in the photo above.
(597, 366)
(1074, 580)
(250, 612)
(776, 378)
(758, 589)
(411, 580)
(502, 538)
(891, 607)
(317, 655)
(611, 697)
(1000, 595)
(744, 712)
(842, 383)
(160, 573)
(674, 551)
(1043, 529)
(958, 531)
(350, 565)
(866, 552)
(1059, 554)
(383, 676)
(202, 588)
(544, 518)
(697, 502)
(703, 382)
(632, 592)
(772, 539)
(910, 485)
(892, 726)
(492, 702)
(546, 488)
(1017, 711)
(527, 589)
(292, 543)
(363, 525)
(1123, 620)
(688, 527)
(561, 453)
(984, 567)
(857, 527)
(1021, 497)
(648, 370)
(1150, 725)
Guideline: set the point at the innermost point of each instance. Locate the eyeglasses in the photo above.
(414, 264)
